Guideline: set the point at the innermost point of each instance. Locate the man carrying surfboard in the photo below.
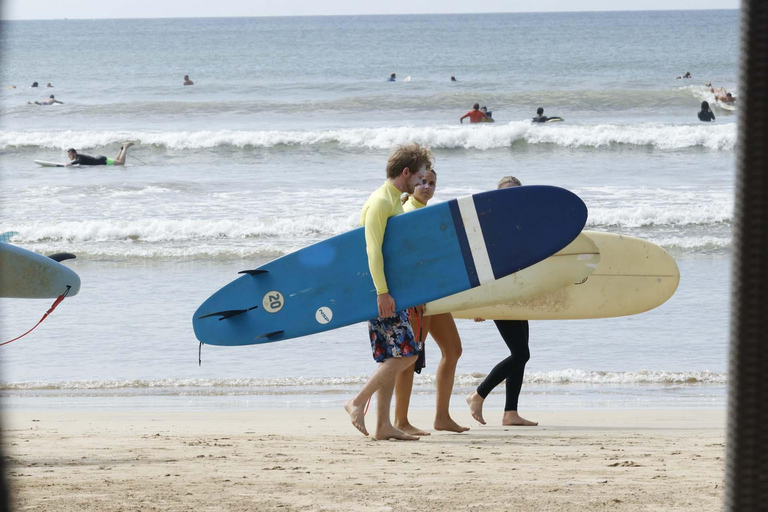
(392, 340)
(78, 159)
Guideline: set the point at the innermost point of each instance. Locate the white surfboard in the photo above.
(407, 79)
(726, 106)
(633, 276)
(571, 265)
(43, 163)
(28, 275)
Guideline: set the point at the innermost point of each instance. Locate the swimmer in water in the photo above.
(34, 84)
(686, 75)
(705, 114)
(50, 101)
(541, 118)
(78, 159)
(49, 84)
(187, 81)
(475, 115)
(392, 78)
(453, 79)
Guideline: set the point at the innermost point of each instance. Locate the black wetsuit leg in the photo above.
(515, 335)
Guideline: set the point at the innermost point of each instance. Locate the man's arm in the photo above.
(57, 101)
(375, 225)
(462, 118)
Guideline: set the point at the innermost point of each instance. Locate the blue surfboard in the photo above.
(429, 253)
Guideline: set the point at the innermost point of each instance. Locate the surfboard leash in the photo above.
(50, 310)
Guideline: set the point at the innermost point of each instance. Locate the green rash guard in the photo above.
(380, 206)
(412, 204)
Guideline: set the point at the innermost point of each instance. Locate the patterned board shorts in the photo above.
(392, 337)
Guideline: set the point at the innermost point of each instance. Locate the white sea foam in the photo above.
(662, 136)
(289, 385)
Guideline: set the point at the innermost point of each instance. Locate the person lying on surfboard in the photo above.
(443, 330)
(82, 159)
(475, 115)
(390, 334)
(515, 335)
(541, 118)
(50, 101)
(721, 94)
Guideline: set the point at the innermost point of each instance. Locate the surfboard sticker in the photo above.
(273, 301)
(324, 315)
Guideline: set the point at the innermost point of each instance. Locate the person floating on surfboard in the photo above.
(475, 115)
(721, 94)
(541, 118)
(443, 330)
(391, 336)
(687, 74)
(515, 335)
(705, 114)
(50, 101)
(82, 159)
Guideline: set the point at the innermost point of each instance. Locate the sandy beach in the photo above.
(314, 460)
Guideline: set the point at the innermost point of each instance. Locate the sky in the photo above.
(90, 9)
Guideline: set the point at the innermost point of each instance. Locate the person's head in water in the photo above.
(483, 108)
(72, 153)
(51, 96)
(476, 106)
(424, 192)
(539, 111)
(729, 96)
(704, 106)
(34, 84)
(509, 182)
(49, 84)
(453, 78)
(393, 75)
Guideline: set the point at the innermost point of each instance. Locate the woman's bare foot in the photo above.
(390, 432)
(128, 144)
(511, 418)
(475, 403)
(449, 425)
(410, 429)
(357, 415)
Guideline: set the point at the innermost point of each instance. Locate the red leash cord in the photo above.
(53, 306)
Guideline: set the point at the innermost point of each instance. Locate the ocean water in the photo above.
(280, 141)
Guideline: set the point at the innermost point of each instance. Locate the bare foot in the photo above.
(390, 432)
(475, 403)
(357, 415)
(449, 425)
(410, 429)
(512, 419)
(126, 145)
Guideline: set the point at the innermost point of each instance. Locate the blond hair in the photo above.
(412, 156)
(509, 179)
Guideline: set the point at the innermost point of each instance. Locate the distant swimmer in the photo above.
(11, 87)
(34, 84)
(541, 118)
(50, 101)
(686, 75)
(49, 84)
(187, 81)
(475, 115)
(721, 94)
(78, 159)
(705, 114)
(453, 79)
(392, 78)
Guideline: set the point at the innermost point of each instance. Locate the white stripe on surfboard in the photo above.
(476, 240)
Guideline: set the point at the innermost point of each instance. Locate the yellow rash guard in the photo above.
(412, 204)
(380, 206)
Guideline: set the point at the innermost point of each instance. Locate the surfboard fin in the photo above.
(253, 272)
(268, 335)
(227, 314)
(62, 256)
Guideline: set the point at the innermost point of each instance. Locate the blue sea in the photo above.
(280, 141)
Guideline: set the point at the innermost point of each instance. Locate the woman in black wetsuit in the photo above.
(515, 335)
(705, 114)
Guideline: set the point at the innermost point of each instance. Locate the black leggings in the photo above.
(515, 335)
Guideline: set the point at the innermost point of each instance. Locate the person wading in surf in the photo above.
(443, 330)
(511, 369)
(392, 340)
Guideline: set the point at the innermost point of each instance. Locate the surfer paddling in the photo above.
(392, 340)
(446, 335)
(515, 335)
(721, 94)
(82, 159)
